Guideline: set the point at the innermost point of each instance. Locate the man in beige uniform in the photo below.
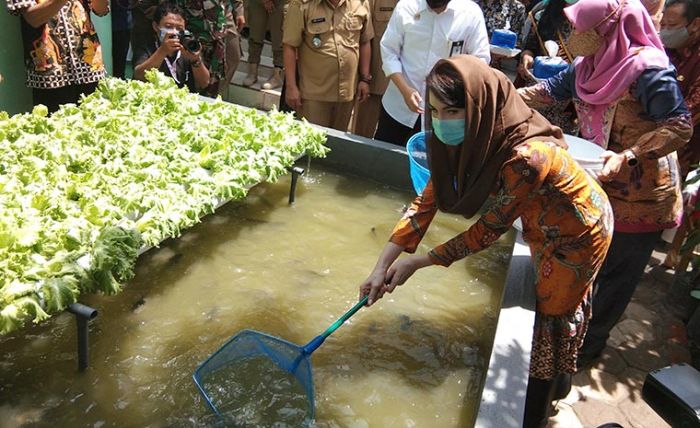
(367, 114)
(329, 40)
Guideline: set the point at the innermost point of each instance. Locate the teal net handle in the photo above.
(318, 340)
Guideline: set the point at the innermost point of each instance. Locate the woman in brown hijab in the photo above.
(486, 143)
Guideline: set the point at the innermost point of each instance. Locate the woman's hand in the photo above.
(613, 164)
(400, 271)
(526, 61)
(373, 286)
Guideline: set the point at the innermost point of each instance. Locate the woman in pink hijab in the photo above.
(627, 101)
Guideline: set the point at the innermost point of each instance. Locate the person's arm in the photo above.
(169, 46)
(199, 70)
(292, 94)
(477, 42)
(291, 40)
(406, 236)
(506, 206)
(100, 7)
(40, 13)
(153, 61)
(661, 101)
(557, 88)
(365, 59)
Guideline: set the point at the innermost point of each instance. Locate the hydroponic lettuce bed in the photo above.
(82, 191)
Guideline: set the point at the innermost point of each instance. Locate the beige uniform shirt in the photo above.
(381, 12)
(328, 41)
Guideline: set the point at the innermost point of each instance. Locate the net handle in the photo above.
(318, 340)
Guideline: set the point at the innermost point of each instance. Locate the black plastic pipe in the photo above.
(296, 172)
(83, 314)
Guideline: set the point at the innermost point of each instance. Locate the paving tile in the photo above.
(565, 418)
(605, 387)
(633, 378)
(646, 294)
(610, 361)
(640, 312)
(639, 414)
(645, 357)
(593, 413)
(676, 354)
(617, 337)
(635, 331)
(673, 330)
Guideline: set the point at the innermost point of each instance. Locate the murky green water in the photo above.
(256, 392)
(415, 359)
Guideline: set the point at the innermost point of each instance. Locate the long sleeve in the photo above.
(662, 102)
(546, 93)
(391, 45)
(521, 179)
(409, 231)
(478, 39)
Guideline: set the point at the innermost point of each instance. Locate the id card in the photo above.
(456, 48)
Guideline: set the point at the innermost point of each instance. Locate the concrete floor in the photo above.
(648, 337)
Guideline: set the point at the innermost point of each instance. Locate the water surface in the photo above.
(415, 359)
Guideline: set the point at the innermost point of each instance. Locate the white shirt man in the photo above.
(421, 32)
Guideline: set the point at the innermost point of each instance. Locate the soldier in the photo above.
(207, 21)
(367, 115)
(235, 21)
(261, 15)
(331, 39)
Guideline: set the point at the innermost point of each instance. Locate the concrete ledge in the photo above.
(376, 160)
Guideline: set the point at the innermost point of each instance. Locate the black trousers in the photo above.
(394, 132)
(53, 98)
(540, 398)
(120, 48)
(618, 278)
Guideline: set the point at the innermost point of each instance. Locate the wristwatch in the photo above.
(367, 78)
(630, 157)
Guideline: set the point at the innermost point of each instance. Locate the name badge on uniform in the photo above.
(318, 20)
(386, 9)
(316, 41)
(456, 48)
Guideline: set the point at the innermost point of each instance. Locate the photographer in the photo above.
(175, 52)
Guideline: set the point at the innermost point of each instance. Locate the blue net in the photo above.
(258, 380)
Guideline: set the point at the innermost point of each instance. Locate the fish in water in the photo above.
(256, 392)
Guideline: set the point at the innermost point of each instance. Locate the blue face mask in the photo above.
(450, 131)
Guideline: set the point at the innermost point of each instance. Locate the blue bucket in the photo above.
(418, 161)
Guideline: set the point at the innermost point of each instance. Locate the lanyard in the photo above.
(172, 66)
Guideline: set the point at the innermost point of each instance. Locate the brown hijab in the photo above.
(497, 121)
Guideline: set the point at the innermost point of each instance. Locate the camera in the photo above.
(189, 41)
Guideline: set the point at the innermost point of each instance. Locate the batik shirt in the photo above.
(497, 13)
(64, 51)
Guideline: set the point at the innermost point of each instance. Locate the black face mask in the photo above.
(437, 4)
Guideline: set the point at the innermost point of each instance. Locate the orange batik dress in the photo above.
(568, 224)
